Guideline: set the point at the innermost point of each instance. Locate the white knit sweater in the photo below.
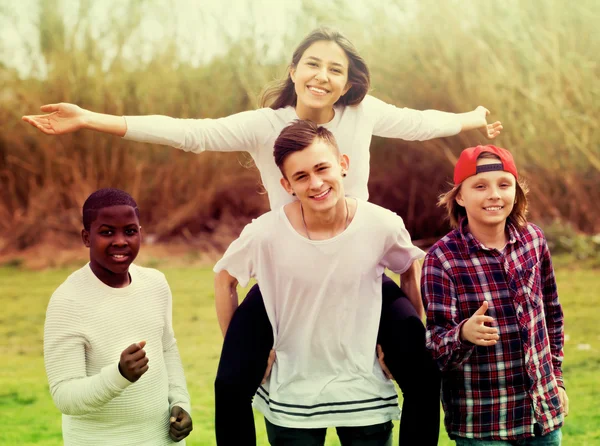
(88, 325)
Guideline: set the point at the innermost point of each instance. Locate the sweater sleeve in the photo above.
(73, 392)
(443, 324)
(178, 392)
(238, 132)
(408, 124)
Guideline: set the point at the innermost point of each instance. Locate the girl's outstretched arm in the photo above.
(67, 118)
(477, 119)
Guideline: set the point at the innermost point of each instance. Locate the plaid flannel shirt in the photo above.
(499, 392)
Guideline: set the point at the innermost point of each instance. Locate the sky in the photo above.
(201, 27)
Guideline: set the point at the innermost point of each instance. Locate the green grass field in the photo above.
(28, 416)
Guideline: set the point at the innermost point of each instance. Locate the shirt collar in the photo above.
(472, 244)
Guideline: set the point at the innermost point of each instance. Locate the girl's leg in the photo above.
(402, 338)
(243, 362)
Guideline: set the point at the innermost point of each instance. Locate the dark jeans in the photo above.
(375, 435)
(249, 340)
(553, 438)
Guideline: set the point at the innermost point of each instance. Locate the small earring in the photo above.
(294, 194)
(344, 174)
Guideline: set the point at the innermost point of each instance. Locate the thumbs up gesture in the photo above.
(476, 332)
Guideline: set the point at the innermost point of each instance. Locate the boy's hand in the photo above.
(564, 400)
(61, 118)
(133, 362)
(380, 356)
(181, 424)
(476, 332)
(490, 131)
(270, 361)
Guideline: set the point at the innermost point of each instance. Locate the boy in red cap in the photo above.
(494, 322)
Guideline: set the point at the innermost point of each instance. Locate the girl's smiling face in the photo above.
(488, 197)
(320, 77)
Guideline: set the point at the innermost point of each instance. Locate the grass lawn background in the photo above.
(28, 415)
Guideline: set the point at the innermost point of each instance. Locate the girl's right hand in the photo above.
(60, 118)
(270, 361)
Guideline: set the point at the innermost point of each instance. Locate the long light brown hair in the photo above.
(455, 212)
(281, 93)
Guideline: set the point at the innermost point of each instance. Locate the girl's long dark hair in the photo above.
(281, 93)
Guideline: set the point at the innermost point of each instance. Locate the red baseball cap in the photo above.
(466, 166)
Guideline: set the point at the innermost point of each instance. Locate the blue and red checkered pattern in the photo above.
(498, 392)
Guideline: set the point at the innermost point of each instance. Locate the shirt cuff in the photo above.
(185, 406)
(464, 347)
(114, 377)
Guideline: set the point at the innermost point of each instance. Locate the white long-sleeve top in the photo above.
(88, 325)
(255, 132)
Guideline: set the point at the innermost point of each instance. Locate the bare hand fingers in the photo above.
(483, 319)
(181, 429)
(141, 363)
(135, 347)
(483, 329)
(384, 367)
(485, 343)
(49, 107)
(270, 361)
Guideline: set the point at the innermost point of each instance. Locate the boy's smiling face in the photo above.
(315, 175)
(488, 197)
(114, 240)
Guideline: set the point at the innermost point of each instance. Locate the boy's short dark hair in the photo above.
(104, 198)
(298, 136)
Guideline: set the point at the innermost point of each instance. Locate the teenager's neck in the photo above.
(113, 280)
(327, 224)
(316, 115)
(493, 237)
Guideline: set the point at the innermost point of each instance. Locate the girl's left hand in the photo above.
(386, 371)
(490, 131)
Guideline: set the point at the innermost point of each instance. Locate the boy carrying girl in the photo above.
(109, 349)
(319, 262)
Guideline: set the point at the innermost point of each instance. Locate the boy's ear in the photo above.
(286, 185)
(85, 237)
(459, 199)
(345, 162)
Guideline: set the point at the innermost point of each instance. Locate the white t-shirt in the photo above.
(323, 299)
(255, 132)
(88, 325)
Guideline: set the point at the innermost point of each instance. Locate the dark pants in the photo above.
(249, 340)
(375, 435)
